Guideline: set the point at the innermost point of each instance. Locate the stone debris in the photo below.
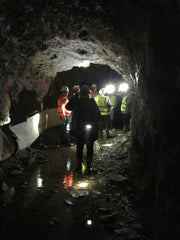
(16, 172)
(127, 232)
(4, 187)
(117, 178)
(55, 191)
(24, 184)
(96, 192)
(21, 160)
(30, 161)
(53, 221)
(112, 206)
(42, 159)
(137, 226)
(78, 193)
(109, 217)
(8, 194)
(68, 202)
(1, 171)
(104, 210)
(117, 212)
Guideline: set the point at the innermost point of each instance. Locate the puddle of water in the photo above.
(43, 199)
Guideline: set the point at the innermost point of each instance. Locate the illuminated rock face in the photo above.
(38, 41)
(138, 39)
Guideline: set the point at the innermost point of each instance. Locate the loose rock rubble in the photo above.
(21, 160)
(16, 166)
(118, 213)
(114, 206)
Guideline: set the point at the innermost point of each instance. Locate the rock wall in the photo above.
(40, 39)
(155, 135)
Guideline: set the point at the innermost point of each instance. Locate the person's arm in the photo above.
(71, 104)
(108, 103)
(60, 108)
(96, 111)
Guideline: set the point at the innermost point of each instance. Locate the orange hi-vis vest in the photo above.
(61, 106)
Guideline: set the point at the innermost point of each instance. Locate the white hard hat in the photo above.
(64, 89)
(101, 91)
(93, 85)
(75, 87)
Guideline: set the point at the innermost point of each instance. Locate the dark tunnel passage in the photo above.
(47, 44)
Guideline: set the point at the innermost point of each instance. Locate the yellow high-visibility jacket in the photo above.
(125, 105)
(104, 104)
(113, 102)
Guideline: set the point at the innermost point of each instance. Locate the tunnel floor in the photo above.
(51, 201)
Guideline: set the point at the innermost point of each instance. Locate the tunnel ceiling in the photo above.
(39, 39)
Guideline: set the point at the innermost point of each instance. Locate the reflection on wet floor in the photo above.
(50, 201)
(68, 180)
(43, 197)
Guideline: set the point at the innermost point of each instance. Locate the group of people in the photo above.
(85, 116)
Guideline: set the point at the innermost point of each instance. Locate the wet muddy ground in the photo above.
(42, 197)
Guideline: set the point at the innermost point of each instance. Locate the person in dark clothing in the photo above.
(76, 90)
(86, 118)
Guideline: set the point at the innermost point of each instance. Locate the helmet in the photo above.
(76, 87)
(64, 89)
(93, 85)
(102, 91)
(85, 89)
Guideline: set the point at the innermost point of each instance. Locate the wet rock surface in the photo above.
(51, 201)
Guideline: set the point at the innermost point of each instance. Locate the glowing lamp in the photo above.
(83, 184)
(88, 127)
(39, 182)
(123, 87)
(109, 89)
(89, 222)
(84, 63)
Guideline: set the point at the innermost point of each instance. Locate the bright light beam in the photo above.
(82, 184)
(109, 89)
(89, 222)
(123, 87)
(84, 63)
(39, 182)
(88, 127)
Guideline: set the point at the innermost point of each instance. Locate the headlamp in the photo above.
(123, 87)
(88, 127)
(109, 89)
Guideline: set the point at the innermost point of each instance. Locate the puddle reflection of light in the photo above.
(82, 184)
(83, 168)
(39, 181)
(68, 180)
(68, 164)
(107, 145)
(89, 222)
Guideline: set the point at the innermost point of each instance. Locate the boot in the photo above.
(107, 133)
(79, 165)
(125, 129)
(68, 142)
(89, 168)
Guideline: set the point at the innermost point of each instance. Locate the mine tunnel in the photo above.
(134, 192)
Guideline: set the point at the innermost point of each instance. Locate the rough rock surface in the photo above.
(139, 39)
